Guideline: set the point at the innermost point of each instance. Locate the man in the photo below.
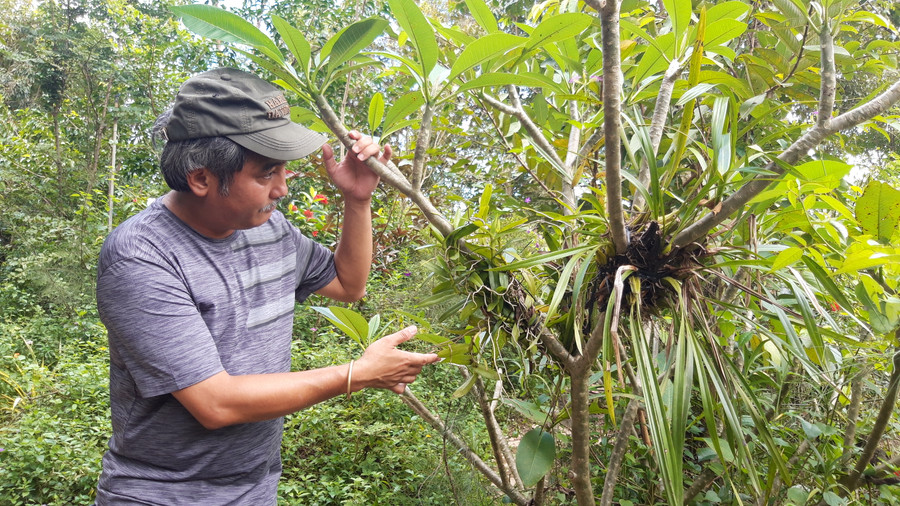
(197, 293)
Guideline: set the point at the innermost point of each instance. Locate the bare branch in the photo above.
(518, 158)
(856, 384)
(568, 188)
(612, 110)
(591, 142)
(416, 405)
(580, 469)
(423, 142)
(812, 138)
(826, 94)
(618, 453)
(556, 348)
(660, 112)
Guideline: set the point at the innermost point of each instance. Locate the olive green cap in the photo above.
(231, 103)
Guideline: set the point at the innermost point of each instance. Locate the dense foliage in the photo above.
(656, 242)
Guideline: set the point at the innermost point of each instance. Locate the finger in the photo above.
(354, 134)
(362, 143)
(398, 388)
(369, 151)
(388, 153)
(423, 359)
(328, 156)
(402, 336)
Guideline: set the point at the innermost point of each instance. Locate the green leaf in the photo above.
(546, 257)
(726, 10)
(419, 30)
(485, 372)
(826, 282)
(309, 119)
(787, 257)
(483, 15)
(457, 353)
(376, 111)
(294, 40)
(464, 388)
(403, 107)
(695, 92)
(722, 31)
(529, 79)
(656, 58)
(350, 322)
(432, 338)
(219, 24)
(530, 410)
(347, 43)
(535, 455)
(558, 27)
(484, 49)
(878, 211)
(484, 204)
(680, 14)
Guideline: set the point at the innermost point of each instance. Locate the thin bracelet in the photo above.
(349, 378)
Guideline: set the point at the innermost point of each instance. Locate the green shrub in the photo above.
(55, 437)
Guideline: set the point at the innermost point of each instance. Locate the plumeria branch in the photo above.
(612, 122)
(657, 123)
(389, 172)
(423, 142)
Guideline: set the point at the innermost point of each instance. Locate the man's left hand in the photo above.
(352, 176)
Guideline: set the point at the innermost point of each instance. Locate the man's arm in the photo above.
(356, 181)
(224, 400)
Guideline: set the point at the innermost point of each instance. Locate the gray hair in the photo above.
(220, 155)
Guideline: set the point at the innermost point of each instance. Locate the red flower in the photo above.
(308, 214)
(321, 198)
(293, 208)
(835, 307)
(315, 233)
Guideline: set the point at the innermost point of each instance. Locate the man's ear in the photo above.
(201, 181)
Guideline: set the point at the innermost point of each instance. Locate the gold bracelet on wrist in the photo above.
(349, 378)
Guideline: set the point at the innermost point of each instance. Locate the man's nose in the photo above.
(280, 189)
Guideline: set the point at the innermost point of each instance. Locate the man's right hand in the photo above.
(383, 365)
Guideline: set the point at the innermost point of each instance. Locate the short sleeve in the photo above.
(155, 331)
(315, 267)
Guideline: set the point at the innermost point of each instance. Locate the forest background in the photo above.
(657, 242)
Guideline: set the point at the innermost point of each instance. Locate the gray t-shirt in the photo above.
(180, 308)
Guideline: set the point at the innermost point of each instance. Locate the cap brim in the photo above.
(287, 142)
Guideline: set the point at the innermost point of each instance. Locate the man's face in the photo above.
(252, 194)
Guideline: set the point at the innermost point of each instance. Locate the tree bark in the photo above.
(612, 122)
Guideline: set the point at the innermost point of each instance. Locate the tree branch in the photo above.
(416, 405)
(660, 112)
(826, 94)
(812, 138)
(618, 453)
(423, 142)
(612, 122)
(389, 172)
